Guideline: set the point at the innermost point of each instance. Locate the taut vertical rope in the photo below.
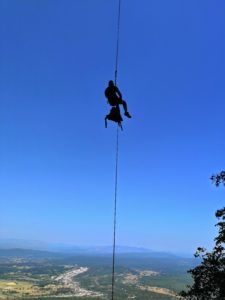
(118, 40)
(117, 153)
(115, 212)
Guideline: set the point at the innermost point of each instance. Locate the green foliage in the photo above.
(172, 282)
(209, 276)
(217, 179)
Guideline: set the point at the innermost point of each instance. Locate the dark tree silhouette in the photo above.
(209, 276)
(218, 178)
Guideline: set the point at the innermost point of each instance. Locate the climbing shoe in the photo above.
(127, 114)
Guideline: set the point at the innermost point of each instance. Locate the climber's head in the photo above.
(111, 83)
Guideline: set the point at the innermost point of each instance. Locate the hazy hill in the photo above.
(157, 261)
(29, 254)
(66, 248)
(73, 249)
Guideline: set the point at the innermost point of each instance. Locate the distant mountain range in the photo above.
(73, 249)
(66, 248)
(157, 261)
(96, 249)
(23, 244)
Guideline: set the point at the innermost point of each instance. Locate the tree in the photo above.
(209, 276)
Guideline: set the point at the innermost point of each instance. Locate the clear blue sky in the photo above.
(57, 161)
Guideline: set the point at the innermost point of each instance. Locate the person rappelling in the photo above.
(114, 97)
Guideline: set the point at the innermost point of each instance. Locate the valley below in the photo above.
(37, 275)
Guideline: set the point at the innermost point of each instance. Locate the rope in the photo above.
(115, 212)
(118, 40)
(117, 154)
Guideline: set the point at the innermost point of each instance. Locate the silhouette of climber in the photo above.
(114, 97)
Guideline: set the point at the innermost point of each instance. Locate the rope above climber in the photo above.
(114, 97)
